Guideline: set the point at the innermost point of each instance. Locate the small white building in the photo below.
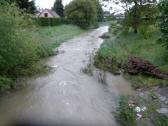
(48, 14)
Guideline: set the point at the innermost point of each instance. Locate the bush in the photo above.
(81, 12)
(5, 83)
(50, 21)
(19, 48)
(115, 27)
(146, 31)
(163, 22)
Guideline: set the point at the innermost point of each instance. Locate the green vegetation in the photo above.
(59, 8)
(163, 22)
(57, 35)
(81, 12)
(25, 5)
(132, 47)
(125, 114)
(42, 21)
(99, 10)
(115, 51)
(23, 44)
(142, 12)
(136, 109)
(20, 48)
(141, 81)
(161, 120)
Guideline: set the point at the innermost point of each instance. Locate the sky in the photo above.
(49, 3)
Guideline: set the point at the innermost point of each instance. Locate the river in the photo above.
(66, 95)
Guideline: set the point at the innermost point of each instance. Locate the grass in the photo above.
(113, 55)
(118, 48)
(161, 120)
(48, 38)
(42, 41)
(125, 114)
(140, 81)
(58, 34)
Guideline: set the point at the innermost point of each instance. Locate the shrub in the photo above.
(5, 83)
(51, 21)
(19, 48)
(115, 27)
(163, 22)
(81, 12)
(146, 31)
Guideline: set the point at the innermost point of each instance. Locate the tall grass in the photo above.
(19, 47)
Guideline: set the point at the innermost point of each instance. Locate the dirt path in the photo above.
(66, 95)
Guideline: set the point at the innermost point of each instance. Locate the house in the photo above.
(48, 14)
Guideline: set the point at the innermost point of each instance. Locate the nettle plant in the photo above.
(163, 22)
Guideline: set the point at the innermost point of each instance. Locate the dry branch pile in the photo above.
(137, 65)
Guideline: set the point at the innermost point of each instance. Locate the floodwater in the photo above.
(66, 95)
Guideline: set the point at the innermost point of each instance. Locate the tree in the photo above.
(81, 12)
(100, 13)
(99, 10)
(163, 22)
(134, 9)
(26, 5)
(59, 8)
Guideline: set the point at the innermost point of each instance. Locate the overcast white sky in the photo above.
(48, 3)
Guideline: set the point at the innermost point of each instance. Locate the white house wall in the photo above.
(43, 14)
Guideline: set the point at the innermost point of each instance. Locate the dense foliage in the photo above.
(163, 21)
(140, 15)
(59, 8)
(51, 21)
(19, 47)
(26, 5)
(137, 12)
(100, 13)
(81, 12)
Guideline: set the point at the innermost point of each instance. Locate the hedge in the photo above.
(50, 21)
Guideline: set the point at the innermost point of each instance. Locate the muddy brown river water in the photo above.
(66, 95)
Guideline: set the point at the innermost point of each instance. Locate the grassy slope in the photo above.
(49, 36)
(57, 35)
(121, 47)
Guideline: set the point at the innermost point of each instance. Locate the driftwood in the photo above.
(104, 36)
(137, 65)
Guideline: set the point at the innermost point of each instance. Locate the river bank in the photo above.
(150, 91)
(40, 44)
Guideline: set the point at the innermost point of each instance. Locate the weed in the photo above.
(125, 114)
(161, 120)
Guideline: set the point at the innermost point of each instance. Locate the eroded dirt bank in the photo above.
(66, 95)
